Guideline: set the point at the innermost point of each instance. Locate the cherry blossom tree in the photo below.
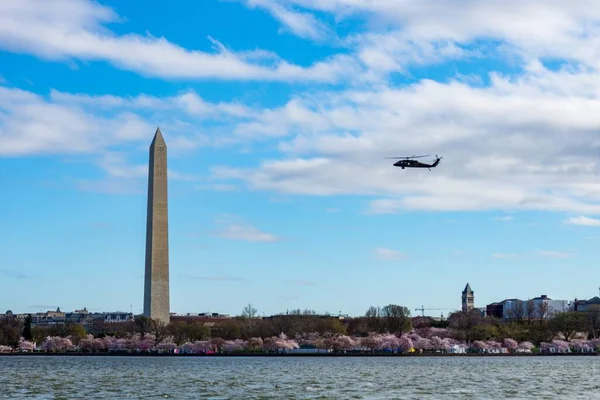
(510, 344)
(479, 346)
(26, 345)
(372, 342)
(5, 349)
(581, 346)
(232, 346)
(57, 344)
(254, 343)
(405, 344)
(438, 343)
(422, 344)
(390, 342)
(341, 343)
(561, 346)
(526, 346)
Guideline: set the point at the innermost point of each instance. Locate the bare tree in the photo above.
(593, 317)
(542, 310)
(248, 320)
(516, 312)
(530, 310)
(373, 315)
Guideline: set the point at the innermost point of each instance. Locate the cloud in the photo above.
(584, 221)
(505, 145)
(216, 278)
(504, 255)
(383, 253)
(45, 307)
(504, 219)
(553, 30)
(11, 273)
(30, 124)
(301, 282)
(288, 297)
(302, 24)
(78, 29)
(554, 254)
(233, 228)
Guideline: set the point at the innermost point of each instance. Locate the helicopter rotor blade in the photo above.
(407, 158)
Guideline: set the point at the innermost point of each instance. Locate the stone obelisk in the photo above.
(156, 285)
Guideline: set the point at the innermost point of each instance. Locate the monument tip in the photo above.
(158, 137)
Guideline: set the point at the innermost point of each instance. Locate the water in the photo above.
(81, 377)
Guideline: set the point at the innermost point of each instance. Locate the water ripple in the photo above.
(77, 377)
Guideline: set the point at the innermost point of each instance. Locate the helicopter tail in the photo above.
(437, 160)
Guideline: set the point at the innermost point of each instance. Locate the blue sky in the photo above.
(277, 116)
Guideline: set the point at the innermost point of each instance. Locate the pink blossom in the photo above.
(438, 343)
(389, 342)
(254, 343)
(492, 344)
(5, 349)
(561, 345)
(371, 342)
(25, 345)
(166, 347)
(479, 345)
(511, 344)
(422, 344)
(581, 345)
(231, 346)
(57, 343)
(526, 346)
(343, 342)
(405, 344)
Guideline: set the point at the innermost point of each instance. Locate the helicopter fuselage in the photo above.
(411, 164)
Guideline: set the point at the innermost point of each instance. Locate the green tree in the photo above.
(27, 328)
(10, 332)
(397, 318)
(76, 331)
(567, 324)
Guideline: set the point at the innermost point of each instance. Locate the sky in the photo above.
(277, 116)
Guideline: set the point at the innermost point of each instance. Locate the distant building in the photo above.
(585, 305)
(81, 317)
(536, 308)
(468, 299)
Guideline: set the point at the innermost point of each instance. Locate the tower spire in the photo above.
(156, 283)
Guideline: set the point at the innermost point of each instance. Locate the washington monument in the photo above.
(156, 285)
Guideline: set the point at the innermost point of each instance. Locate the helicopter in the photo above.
(409, 162)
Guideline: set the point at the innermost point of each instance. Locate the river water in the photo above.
(88, 377)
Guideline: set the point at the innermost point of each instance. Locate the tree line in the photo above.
(391, 319)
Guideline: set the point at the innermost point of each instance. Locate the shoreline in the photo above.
(387, 355)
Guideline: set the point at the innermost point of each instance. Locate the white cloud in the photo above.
(301, 282)
(554, 254)
(504, 255)
(302, 24)
(31, 124)
(504, 219)
(584, 221)
(383, 253)
(233, 228)
(77, 29)
(519, 144)
(65, 123)
(531, 28)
